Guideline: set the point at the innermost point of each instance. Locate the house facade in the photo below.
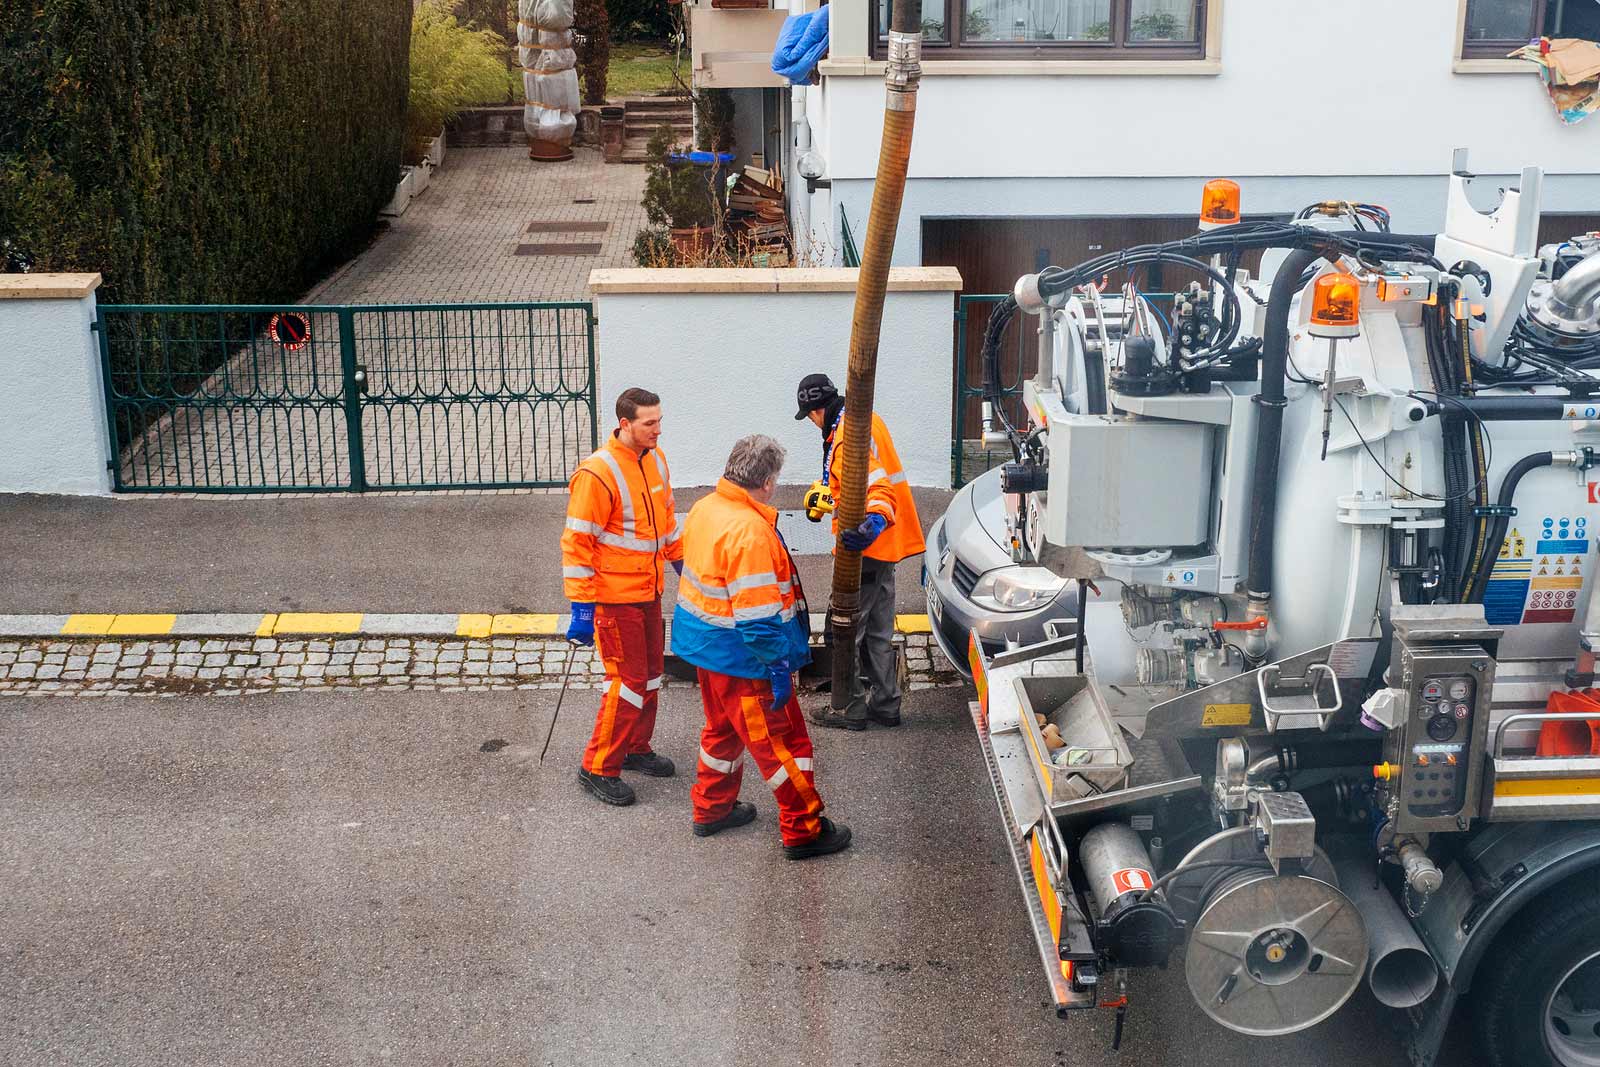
(1048, 130)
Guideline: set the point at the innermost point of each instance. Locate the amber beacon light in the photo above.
(1219, 204)
(1336, 306)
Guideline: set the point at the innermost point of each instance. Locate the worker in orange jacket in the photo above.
(889, 533)
(741, 620)
(621, 530)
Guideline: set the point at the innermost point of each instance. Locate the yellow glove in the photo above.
(819, 502)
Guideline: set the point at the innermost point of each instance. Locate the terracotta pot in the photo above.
(548, 151)
(691, 241)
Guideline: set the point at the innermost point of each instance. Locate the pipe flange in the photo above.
(1108, 558)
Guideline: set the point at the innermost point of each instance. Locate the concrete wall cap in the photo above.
(757, 280)
(47, 286)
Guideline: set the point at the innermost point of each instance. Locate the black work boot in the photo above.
(609, 790)
(832, 839)
(838, 720)
(656, 766)
(740, 814)
(884, 718)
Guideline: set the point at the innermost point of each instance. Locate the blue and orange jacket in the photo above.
(740, 605)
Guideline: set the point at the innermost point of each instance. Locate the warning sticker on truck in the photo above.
(1226, 715)
(1131, 880)
(1542, 585)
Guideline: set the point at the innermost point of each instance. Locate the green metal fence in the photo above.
(849, 255)
(293, 398)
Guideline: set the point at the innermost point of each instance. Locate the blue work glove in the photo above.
(677, 565)
(858, 539)
(782, 678)
(581, 631)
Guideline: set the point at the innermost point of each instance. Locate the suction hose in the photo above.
(902, 73)
(1269, 433)
(1400, 971)
(1497, 531)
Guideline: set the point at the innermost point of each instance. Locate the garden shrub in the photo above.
(451, 66)
(634, 19)
(592, 36)
(212, 151)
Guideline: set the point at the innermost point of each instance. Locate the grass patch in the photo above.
(637, 68)
(643, 68)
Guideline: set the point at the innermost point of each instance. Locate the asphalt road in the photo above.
(348, 879)
(422, 553)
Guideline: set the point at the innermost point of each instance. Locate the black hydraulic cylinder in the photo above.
(1513, 408)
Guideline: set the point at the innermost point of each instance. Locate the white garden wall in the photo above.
(726, 348)
(52, 402)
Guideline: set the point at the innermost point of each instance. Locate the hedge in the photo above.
(209, 151)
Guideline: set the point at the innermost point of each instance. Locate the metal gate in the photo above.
(297, 398)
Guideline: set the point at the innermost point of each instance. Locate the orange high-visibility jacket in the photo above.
(621, 527)
(888, 494)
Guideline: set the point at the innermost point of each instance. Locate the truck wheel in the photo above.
(1538, 991)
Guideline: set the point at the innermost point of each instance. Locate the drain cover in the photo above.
(594, 226)
(558, 250)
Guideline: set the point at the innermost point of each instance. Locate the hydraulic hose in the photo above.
(1269, 428)
(902, 73)
(1497, 531)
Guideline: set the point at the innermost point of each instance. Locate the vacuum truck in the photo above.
(1325, 713)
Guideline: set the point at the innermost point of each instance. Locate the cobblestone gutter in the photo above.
(245, 665)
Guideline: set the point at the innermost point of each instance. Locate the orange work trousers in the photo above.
(630, 642)
(740, 716)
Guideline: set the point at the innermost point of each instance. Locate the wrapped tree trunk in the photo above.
(549, 76)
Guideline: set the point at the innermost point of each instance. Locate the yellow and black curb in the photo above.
(320, 623)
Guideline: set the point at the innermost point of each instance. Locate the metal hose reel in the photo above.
(1273, 954)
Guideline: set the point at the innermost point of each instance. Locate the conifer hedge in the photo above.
(210, 151)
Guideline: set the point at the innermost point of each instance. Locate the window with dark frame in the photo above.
(1055, 29)
(1495, 28)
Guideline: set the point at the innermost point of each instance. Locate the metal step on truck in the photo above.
(1326, 713)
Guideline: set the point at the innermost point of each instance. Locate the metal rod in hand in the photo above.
(572, 654)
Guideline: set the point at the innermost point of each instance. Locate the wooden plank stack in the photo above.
(757, 215)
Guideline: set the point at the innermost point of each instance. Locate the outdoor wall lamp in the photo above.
(812, 166)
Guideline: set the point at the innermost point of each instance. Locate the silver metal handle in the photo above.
(1498, 748)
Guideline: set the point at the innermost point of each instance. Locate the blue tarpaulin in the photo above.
(802, 42)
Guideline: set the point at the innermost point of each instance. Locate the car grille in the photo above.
(965, 578)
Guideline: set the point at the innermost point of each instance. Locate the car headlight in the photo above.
(1018, 588)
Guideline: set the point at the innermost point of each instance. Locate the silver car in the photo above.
(972, 584)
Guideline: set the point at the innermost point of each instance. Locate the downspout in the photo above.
(802, 196)
(901, 75)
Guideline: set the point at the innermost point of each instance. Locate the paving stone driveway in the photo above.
(458, 241)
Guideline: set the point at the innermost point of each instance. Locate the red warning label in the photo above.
(1131, 880)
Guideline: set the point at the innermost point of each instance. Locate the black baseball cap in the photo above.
(815, 391)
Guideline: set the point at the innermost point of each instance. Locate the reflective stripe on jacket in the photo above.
(740, 607)
(888, 494)
(621, 529)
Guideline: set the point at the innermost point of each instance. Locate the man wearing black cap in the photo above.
(889, 532)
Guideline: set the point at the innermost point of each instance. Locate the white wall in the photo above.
(53, 436)
(1363, 88)
(726, 364)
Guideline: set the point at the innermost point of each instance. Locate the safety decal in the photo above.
(1131, 880)
(1544, 585)
(1226, 715)
(1179, 576)
(1581, 412)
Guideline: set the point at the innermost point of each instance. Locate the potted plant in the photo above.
(677, 197)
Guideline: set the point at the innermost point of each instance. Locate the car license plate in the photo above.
(935, 608)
